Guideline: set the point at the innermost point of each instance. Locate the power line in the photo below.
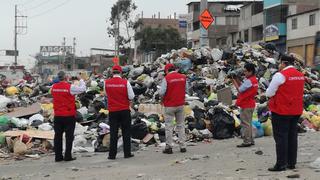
(27, 2)
(39, 5)
(49, 10)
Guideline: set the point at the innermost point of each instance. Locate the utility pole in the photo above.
(16, 32)
(15, 35)
(203, 32)
(74, 53)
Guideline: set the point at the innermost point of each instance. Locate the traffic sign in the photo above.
(206, 18)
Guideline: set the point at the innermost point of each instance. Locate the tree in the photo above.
(122, 11)
(160, 40)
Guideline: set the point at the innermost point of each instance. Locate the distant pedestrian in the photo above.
(119, 93)
(64, 115)
(173, 90)
(286, 105)
(246, 101)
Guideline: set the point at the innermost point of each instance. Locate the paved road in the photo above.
(216, 160)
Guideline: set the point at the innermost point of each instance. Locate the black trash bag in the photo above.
(44, 89)
(270, 47)
(194, 123)
(36, 123)
(4, 127)
(98, 105)
(307, 100)
(79, 117)
(139, 129)
(222, 123)
(227, 54)
(138, 88)
(211, 103)
(316, 97)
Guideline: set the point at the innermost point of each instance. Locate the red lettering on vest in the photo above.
(246, 99)
(63, 102)
(176, 90)
(117, 94)
(288, 99)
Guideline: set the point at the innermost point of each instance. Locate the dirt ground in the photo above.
(215, 160)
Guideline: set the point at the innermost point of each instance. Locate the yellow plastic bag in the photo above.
(315, 120)
(27, 90)
(12, 91)
(47, 107)
(267, 127)
(188, 111)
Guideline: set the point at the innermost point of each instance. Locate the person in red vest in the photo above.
(246, 101)
(173, 90)
(64, 115)
(286, 105)
(119, 93)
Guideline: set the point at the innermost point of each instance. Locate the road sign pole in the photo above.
(203, 32)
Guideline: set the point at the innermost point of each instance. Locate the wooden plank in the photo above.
(32, 133)
(25, 111)
(151, 108)
(225, 96)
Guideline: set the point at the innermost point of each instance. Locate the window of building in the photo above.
(256, 8)
(294, 24)
(246, 35)
(276, 14)
(196, 7)
(196, 26)
(312, 19)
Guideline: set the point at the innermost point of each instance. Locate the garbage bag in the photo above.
(267, 128)
(10, 91)
(184, 65)
(315, 120)
(36, 117)
(4, 101)
(139, 129)
(222, 123)
(4, 127)
(45, 127)
(2, 139)
(4, 120)
(138, 88)
(258, 132)
(20, 123)
(216, 54)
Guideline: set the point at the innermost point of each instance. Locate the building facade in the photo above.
(301, 31)
(250, 23)
(275, 18)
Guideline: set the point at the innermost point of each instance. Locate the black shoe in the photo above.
(59, 160)
(277, 168)
(291, 167)
(111, 158)
(167, 151)
(183, 150)
(244, 145)
(129, 156)
(70, 159)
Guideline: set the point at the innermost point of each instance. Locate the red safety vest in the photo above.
(176, 90)
(117, 94)
(246, 99)
(288, 99)
(63, 102)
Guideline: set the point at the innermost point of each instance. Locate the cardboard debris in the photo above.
(31, 133)
(25, 111)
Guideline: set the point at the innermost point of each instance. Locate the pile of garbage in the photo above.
(209, 110)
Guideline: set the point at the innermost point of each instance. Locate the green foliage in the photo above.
(160, 40)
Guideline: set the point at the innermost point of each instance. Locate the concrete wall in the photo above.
(303, 29)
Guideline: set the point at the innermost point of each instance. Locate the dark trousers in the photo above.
(63, 125)
(120, 119)
(286, 137)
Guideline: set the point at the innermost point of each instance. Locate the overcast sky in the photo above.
(50, 20)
